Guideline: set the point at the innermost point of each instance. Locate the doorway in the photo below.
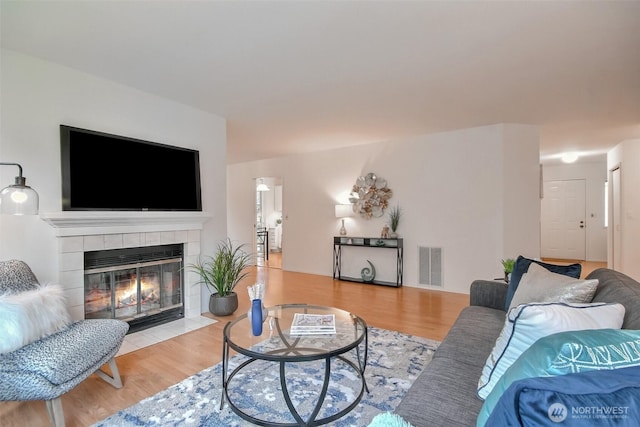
(268, 225)
(563, 215)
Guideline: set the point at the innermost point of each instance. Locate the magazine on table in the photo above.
(313, 324)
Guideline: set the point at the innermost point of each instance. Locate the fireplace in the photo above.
(142, 286)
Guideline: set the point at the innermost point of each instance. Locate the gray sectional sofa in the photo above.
(445, 393)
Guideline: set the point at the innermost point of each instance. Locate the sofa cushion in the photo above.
(541, 285)
(31, 315)
(521, 267)
(527, 323)
(472, 336)
(617, 287)
(453, 372)
(596, 398)
(565, 353)
(443, 395)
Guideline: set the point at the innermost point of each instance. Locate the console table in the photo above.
(396, 245)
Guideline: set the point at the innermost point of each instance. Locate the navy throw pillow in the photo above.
(522, 265)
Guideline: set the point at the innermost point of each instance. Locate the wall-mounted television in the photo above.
(104, 172)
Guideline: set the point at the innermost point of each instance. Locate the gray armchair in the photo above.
(51, 366)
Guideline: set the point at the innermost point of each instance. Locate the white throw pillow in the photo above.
(541, 285)
(28, 316)
(527, 323)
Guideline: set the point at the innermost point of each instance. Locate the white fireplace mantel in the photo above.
(78, 232)
(80, 223)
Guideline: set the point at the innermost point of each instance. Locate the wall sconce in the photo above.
(343, 211)
(19, 198)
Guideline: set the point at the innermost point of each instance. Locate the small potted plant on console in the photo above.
(394, 220)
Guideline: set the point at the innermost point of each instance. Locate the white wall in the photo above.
(38, 96)
(627, 156)
(595, 175)
(473, 192)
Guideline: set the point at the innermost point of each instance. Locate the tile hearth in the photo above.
(147, 337)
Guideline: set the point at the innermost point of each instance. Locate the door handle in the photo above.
(581, 224)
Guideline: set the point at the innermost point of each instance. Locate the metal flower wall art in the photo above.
(370, 196)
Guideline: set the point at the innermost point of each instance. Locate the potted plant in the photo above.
(507, 266)
(394, 220)
(221, 273)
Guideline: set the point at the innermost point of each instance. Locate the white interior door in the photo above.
(563, 220)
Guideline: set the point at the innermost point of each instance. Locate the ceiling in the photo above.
(300, 76)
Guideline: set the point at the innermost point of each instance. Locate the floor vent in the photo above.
(430, 266)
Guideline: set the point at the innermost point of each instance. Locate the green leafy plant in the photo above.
(394, 217)
(508, 264)
(223, 271)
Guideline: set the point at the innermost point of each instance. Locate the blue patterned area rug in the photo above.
(394, 362)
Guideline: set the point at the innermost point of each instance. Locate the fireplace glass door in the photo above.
(132, 291)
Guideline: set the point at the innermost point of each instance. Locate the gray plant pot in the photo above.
(223, 306)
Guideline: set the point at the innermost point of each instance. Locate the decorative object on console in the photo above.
(370, 196)
(385, 232)
(19, 198)
(343, 211)
(368, 274)
(221, 273)
(394, 220)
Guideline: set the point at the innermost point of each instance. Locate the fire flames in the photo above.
(149, 290)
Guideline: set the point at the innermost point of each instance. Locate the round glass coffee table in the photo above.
(289, 357)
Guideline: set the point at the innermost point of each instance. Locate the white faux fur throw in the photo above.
(26, 317)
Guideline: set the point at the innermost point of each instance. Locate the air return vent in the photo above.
(430, 266)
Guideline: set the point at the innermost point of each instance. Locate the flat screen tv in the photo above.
(104, 172)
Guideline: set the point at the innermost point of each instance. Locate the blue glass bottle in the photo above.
(256, 317)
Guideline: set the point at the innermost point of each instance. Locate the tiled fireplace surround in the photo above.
(79, 232)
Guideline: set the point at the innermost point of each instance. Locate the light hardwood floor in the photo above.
(147, 371)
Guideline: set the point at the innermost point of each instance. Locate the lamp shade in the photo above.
(19, 198)
(344, 211)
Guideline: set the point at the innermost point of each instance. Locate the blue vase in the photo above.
(256, 317)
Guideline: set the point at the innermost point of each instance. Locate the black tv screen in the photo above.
(103, 172)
